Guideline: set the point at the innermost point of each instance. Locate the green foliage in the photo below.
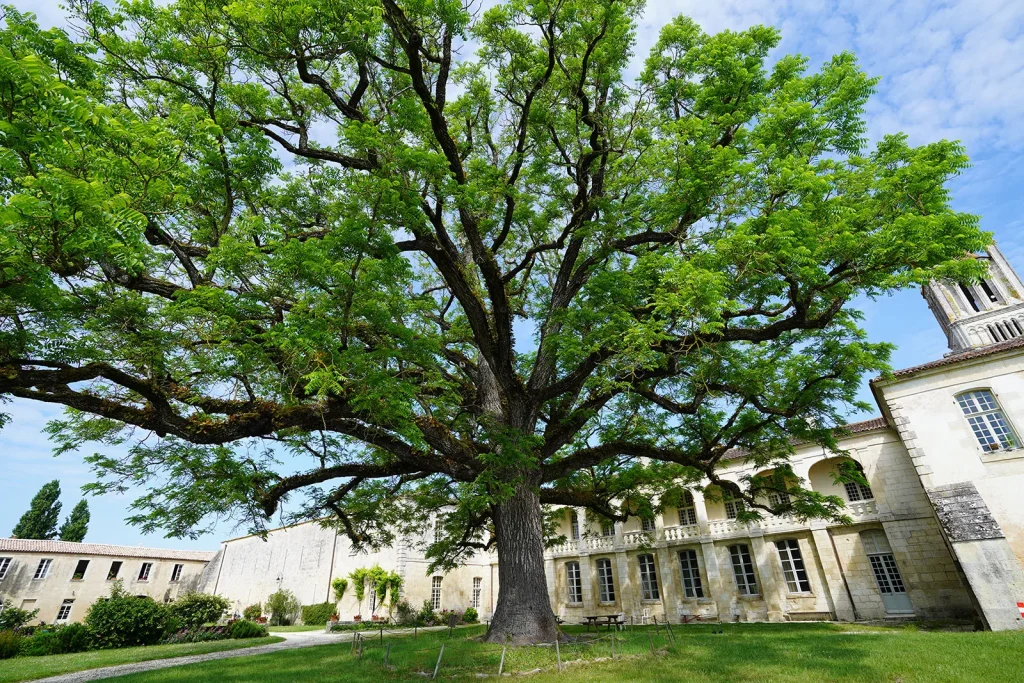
(685, 248)
(57, 640)
(13, 618)
(358, 576)
(405, 613)
(124, 620)
(318, 614)
(253, 612)
(10, 644)
(340, 585)
(40, 521)
(197, 634)
(283, 608)
(243, 628)
(195, 609)
(76, 525)
(470, 616)
(427, 616)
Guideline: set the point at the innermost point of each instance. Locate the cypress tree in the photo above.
(40, 522)
(76, 525)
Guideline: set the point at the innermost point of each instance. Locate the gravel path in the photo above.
(292, 640)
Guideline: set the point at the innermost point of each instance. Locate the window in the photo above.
(435, 592)
(687, 510)
(574, 583)
(43, 570)
(857, 491)
(732, 507)
(115, 569)
(692, 587)
(64, 612)
(144, 571)
(778, 498)
(608, 529)
(80, 570)
(988, 292)
(793, 566)
(574, 525)
(987, 420)
(743, 569)
(970, 297)
(605, 582)
(648, 577)
(176, 573)
(438, 530)
(647, 523)
(478, 585)
(5, 566)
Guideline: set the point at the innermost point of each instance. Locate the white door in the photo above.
(887, 573)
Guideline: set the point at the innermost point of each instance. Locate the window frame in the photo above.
(573, 584)
(649, 589)
(478, 589)
(732, 507)
(687, 510)
(80, 575)
(177, 571)
(647, 524)
(113, 573)
(435, 592)
(145, 572)
(743, 571)
(793, 566)
(989, 437)
(608, 529)
(689, 569)
(63, 615)
(5, 566)
(605, 580)
(574, 525)
(43, 569)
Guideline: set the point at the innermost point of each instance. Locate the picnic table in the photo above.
(597, 620)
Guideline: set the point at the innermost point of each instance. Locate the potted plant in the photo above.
(357, 618)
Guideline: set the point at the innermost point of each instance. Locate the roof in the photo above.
(957, 358)
(26, 545)
(842, 430)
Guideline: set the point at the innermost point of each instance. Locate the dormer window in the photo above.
(987, 421)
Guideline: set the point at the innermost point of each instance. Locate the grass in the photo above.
(28, 668)
(295, 627)
(775, 653)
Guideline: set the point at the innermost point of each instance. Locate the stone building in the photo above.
(306, 558)
(939, 533)
(63, 579)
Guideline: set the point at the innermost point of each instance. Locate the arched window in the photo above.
(687, 510)
(574, 525)
(855, 490)
(987, 421)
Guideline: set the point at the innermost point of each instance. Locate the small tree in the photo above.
(125, 620)
(340, 585)
(196, 609)
(76, 525)
(40, 522)
(283, 607)
(12, 618)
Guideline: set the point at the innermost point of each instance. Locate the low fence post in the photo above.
(360, 649)
(501, 664)
(438, 665)
(668, 625)
(352, 650)
(387, 653)
(650, 637)
(558, 653)
(613, 645)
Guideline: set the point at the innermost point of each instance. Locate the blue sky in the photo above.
(950, 70)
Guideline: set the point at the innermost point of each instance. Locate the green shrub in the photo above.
(317, 615)
(253, 612)
(124, 620)
(405, 614)
(199, 634)
(13, 618)
(10, 644)
(427, 616)
(283, 607)
(71, 638)
(470, 616)
(39, 644)
(244, 628)
(195, 609)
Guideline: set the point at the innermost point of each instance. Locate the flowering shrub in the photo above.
(243, 628)
(201, 634)
(253, 612)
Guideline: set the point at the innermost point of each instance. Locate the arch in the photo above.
(775, 498)
(821, 478)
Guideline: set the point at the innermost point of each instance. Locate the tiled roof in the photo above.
(865, 425)
(957, 357)
(25, 545)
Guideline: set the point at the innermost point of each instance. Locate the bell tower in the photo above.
(978, 315)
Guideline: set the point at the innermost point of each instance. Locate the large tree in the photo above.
(40, 520)
(76, 525)
(404, 256)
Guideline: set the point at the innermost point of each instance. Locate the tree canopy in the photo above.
(40, 520)
(376, 258)
(76, 525)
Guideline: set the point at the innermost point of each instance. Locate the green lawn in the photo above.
(27, 668)
(743, 652)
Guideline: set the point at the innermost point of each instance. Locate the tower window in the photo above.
(987, 420)
(970, 297)
(988, 292)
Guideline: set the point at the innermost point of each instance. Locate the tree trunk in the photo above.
(523, 614)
